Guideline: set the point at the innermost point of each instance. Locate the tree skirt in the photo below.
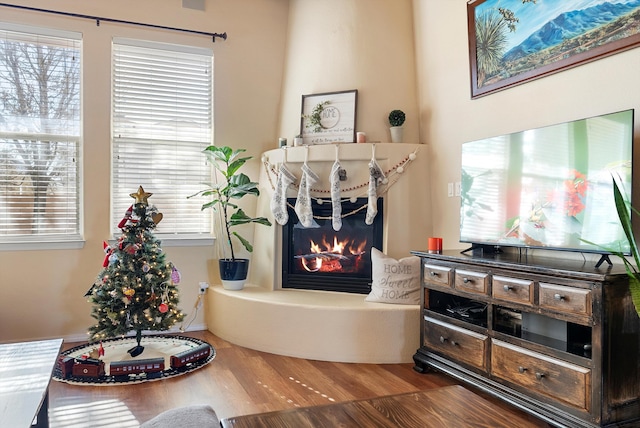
(162, 357)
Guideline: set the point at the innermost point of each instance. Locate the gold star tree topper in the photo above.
(141, 196)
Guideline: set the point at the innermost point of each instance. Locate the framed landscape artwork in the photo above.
(515, 41)
(329, 117)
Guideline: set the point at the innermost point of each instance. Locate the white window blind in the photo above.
(161, 121)
(39, 134)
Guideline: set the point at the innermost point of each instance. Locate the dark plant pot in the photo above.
(233, 273)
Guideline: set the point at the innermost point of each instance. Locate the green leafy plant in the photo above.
(236, 185)
(314, 119)
(396, 118)
(622, 207)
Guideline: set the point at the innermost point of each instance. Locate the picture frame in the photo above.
(508, 44)
(329, 117)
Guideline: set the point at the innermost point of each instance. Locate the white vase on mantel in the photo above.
(396, 134)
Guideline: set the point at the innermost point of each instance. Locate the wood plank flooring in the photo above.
(240, 381)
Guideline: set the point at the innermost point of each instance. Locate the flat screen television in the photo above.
(548, 187)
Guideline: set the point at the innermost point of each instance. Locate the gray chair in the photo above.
(197, 416)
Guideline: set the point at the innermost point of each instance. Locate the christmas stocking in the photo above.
(303, 202)
(335, 196)
(375, 175)
(279, 199)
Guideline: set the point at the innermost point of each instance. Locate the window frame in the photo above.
(54, 241)
(169, 238)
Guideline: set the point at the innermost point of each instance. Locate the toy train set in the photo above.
(92, 368)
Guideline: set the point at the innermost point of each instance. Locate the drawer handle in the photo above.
(444, 339)
(539, 375)
(558, 297)
(432, 273)
(507, 288)
(466, 280)
(522, 369)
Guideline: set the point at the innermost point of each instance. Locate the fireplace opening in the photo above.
(319, 258)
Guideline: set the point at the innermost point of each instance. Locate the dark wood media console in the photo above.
(555, 337)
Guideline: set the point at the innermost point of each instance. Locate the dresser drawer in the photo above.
(455, 342)
(565, 299)
(437, 274)
(472, 282)
(554, 378)
(513, 289)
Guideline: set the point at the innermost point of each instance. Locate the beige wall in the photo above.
(449, 117)
(336, 45)
(42, 292)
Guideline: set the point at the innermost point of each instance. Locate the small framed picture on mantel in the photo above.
(329, 117)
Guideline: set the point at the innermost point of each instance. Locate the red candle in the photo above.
(435, 245)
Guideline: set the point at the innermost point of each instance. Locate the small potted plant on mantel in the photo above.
(236, 185)
(396, 120)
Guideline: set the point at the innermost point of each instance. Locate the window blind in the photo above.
(39, 134)
(161, 121)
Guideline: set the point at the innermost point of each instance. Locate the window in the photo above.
(39, 134)
(161, 122)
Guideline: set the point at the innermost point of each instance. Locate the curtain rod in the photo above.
(118, 21)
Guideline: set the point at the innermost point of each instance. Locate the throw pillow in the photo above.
(394, 281)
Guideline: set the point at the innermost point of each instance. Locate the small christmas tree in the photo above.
(136, 289)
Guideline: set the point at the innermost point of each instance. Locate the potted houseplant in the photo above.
(396, 120)
(236, 185)
(622, 207)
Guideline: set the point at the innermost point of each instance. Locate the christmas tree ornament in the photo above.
(175, 275)
(145, 268)
(141, 196)
(163, 308)
(107, 252)
(157, 218)
(126, 218)
(131, 248)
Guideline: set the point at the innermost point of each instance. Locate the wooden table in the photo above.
(451, 406)
(25, 373)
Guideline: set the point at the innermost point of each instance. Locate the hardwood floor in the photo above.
(239, 381)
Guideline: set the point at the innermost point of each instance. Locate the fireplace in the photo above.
(319, 258)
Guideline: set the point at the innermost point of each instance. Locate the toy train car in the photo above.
(80, 367)
(190, 356)
(126, 368)
(88, 368)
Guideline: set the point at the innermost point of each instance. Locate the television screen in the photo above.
(549, 187)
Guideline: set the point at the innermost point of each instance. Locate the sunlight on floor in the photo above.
(105, 413)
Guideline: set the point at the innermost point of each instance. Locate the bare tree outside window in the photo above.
(39, 134)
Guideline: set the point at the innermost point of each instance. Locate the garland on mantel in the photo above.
(391, 177)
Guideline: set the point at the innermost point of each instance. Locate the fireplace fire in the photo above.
(320, 258)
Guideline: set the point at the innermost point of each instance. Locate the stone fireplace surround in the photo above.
(330, 326)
